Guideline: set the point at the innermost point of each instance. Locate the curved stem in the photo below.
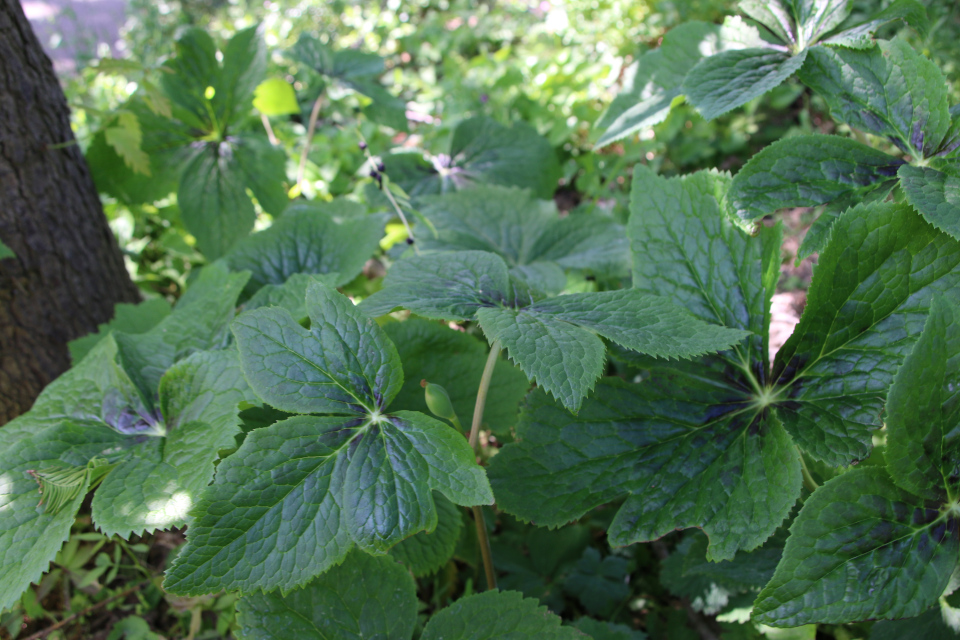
(474, 441)
(808, 480)
(482, 393)
(311, 128)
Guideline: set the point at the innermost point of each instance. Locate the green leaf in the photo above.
(860, 549)
(733, 78)
(728, 279)
(384, 107)
(308, 239)
(818, 234)
(599, 585)
(890, 90)
(929, 626)
(524, 231)
(127, 318)
(481, 151)
(192, 70)
(607, 630)
(199, 322)
(125, 137)
(275, 97)
(561, 358)
(365, 597)
(455, 360)
(776, 15)
(72, 422)
(244, 68)
(805, 171)
(817, 17)
(745, 571)
(349, 481)
(424, 553)
(343, 364)
(155, 487)
(290, 295)
(6, 252)
(445, 285)
(860, 36)
(922, 456)
(712, 465)
(497, 614)
(836, 368)
(212, 193)
(935, 194)
(341, 64)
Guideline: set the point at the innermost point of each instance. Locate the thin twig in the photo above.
(266, 125)
(311, 128)
(123, 594)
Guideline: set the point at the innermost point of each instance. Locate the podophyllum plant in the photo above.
(285, 426)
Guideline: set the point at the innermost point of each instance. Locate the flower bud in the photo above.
(438, 401)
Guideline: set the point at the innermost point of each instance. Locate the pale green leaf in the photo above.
(6, 252)
(275, 97)
(365, 597)
(125, 137)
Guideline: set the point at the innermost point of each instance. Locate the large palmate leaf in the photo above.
(212, 193)
(705, 444)
(524, 232)
(882, 543)
(308, 239)
(158, 482)
(808, 170)
(433, 352)
(555, 341)
(199, 322)
(365, 478)
(74, 420)
(365, 597)
(481, 151)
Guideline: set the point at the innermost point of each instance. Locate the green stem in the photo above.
(474, 442)
(482, 393)
(311, 129)
(808, 480)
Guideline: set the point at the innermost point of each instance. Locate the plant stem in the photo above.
(474, 444)
(808, 480)
(482, 393)
(266, 125)
(311, 128)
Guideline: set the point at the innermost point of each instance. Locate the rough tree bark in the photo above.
(68, 271)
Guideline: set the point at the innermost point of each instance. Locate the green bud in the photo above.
(438, 401)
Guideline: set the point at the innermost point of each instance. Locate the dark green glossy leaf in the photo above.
(497, 614)
(935, 194)
(424, 553)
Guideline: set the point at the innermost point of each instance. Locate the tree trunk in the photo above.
(68, 271)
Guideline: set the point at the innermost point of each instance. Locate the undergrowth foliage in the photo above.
(616, 373)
